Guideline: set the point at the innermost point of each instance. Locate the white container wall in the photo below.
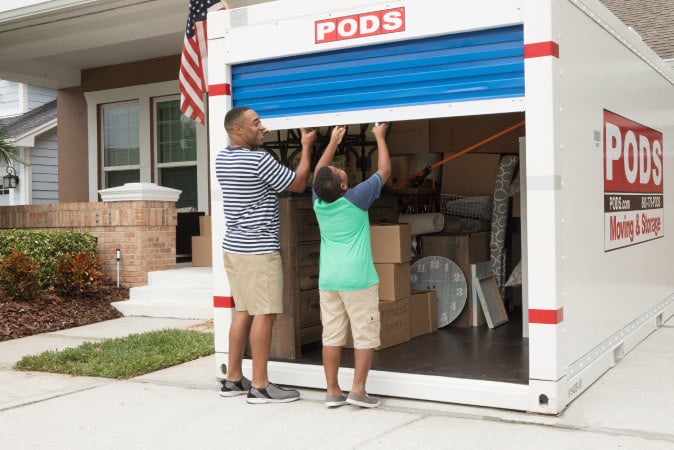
(598, 147)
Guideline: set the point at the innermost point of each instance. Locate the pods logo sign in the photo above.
(359, 25)
(632, 156)
(633, 182)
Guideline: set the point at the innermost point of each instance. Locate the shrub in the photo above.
(20, 276)
(46, 247)
(78, 274)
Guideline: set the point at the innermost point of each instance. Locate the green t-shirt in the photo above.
(346, 252)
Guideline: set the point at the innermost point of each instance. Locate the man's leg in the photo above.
(331, 360)
(363, 359)
(260, 344)
(238, 336)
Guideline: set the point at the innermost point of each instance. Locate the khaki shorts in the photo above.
(360, 308)
(256, 282)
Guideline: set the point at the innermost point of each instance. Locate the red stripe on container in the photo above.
(546, 316)
(219, 89)
(541, 49)
(220, 301)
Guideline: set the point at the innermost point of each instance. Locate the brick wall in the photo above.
(144, 231)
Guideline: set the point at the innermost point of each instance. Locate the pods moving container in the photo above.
(595, 153)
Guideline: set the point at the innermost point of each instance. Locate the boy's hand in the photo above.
(338, 134)
(379, 131)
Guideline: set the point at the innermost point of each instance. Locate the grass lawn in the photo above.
(126, 357)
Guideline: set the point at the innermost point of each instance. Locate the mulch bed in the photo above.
(51, 312)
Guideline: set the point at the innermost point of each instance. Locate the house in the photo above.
(28, 116)
(114, 65)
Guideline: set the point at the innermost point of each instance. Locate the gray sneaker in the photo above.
(335, 400)
(272, 394)
(233, 388)
(364, 401)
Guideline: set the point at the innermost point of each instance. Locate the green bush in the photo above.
(20, 276)
(46, 248)
(78, 274)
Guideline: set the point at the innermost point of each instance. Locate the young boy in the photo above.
(348, 283)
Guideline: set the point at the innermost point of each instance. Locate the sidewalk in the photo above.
(630, 407)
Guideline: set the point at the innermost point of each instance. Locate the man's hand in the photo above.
(309, 136)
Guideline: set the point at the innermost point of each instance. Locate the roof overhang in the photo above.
(27, 139)
(48, 43)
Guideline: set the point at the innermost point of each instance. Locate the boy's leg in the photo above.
(363, 360)
(363, 309)
(335, 325)
(331, 360)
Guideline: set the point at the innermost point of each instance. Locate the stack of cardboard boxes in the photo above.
(201, 245)
(391, 256)
(404, 314)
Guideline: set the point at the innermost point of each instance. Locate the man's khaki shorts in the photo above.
(256, 282)
(360, 308)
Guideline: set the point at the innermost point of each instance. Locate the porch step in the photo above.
(182, 293)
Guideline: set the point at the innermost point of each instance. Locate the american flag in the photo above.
(192, 77)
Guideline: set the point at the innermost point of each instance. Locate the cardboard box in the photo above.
(395, 324)
(400, 168)
(205, 226)
(394, 280)
(470, 175)
(423, 313)
(408, 137)
(453, 134)
(464, 250)
(391, 243)
(201, 251)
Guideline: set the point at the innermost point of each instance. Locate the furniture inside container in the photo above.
(467, 347)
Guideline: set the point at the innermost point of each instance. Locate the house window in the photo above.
(138, 135)
(176, 150)
(121, 144)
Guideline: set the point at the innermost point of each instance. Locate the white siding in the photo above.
(38, 96)
(9, 98)
(44, 167)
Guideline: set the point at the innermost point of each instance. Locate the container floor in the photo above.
(498, 354)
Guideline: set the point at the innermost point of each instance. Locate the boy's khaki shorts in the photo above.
(256, 282)
(360, 308)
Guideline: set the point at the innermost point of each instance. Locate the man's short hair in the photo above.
(233, 117)
(327, 185)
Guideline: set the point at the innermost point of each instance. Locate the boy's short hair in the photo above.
(327, 185)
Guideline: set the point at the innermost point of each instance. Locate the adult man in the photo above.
(250, 181)
(348, 283)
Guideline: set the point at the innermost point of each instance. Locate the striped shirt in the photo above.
(250, 181)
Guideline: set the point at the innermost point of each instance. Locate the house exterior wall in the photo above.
(38, 96)
(72, 114)
(72, 152)
(9, 98)
(144, 231)
(132, 74)
(44, 169)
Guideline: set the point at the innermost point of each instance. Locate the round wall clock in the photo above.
(442, 275)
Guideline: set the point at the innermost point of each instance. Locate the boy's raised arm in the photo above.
(329, 152)
(383, 160)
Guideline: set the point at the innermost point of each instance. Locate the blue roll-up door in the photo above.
(477, 65)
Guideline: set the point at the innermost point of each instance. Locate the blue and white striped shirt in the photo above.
(250, 181)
